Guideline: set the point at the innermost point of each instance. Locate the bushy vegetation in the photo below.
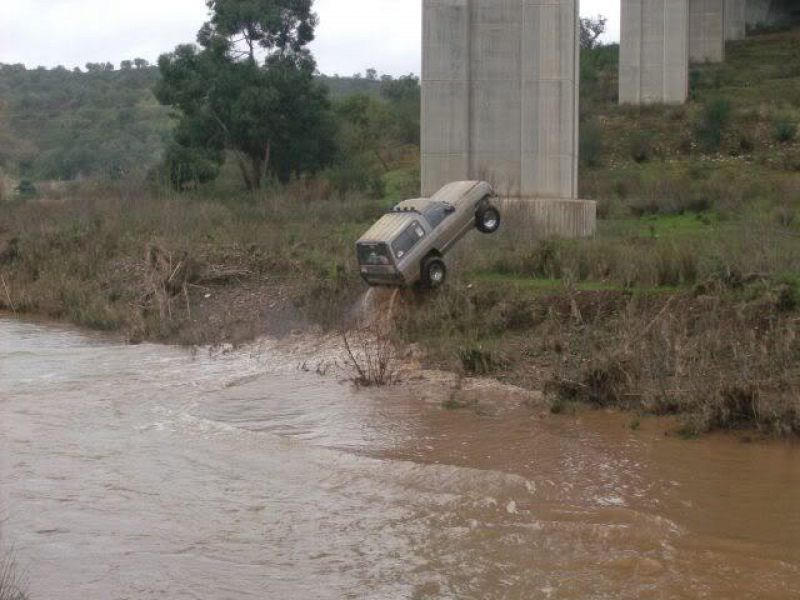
(106, 124)
(65, 125)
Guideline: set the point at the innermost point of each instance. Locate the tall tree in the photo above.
(591, 30)
(248, 90)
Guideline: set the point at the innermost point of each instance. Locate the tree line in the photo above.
(246, 94)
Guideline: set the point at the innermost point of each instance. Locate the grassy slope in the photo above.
(686, 302)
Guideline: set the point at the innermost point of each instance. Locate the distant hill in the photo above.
(103, 123)
(61, 124)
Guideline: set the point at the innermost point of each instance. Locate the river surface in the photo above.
(152, 472)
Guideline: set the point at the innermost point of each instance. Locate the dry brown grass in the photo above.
(719, 364)
(122, 258)
(719, 359)
(12, 584)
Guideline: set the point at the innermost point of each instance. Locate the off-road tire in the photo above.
(487, 219)
(434, 272)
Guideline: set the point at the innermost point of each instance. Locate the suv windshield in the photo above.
(436, 213)
(408, 239)
(373, 254)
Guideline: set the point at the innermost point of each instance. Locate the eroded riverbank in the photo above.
(142, 471)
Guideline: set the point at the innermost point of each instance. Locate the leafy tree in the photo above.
(378, 134)
(403, 96)
(591, 30)
(248, 90)
(712, 124)
(99, 67)
(140, 63)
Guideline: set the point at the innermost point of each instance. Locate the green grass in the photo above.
(675, 226)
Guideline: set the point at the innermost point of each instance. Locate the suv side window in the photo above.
(408, 239)
(436, 213)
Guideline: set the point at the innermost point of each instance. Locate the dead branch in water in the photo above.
(372, 363)
(362, 376)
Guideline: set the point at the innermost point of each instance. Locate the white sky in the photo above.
(353, 35)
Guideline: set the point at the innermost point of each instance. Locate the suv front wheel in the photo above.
(434, 272)
(487, 220)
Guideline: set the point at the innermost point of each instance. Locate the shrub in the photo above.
(712, 124)
(784, 130)
(186, 167)
(477, 360)
(641, 147)
(357, 173)
(591, 150)
(26, 189)
(746, 143)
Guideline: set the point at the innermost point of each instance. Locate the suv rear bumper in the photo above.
(382, 276)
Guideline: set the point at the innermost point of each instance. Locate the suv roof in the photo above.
(392, 224)
(389, 226)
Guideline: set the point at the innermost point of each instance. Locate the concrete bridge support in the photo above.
(654, 52)
(735, 19)
(500, 102)
(706, 30)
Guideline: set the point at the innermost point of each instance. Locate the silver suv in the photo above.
(408, 244)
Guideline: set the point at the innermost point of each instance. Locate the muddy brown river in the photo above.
(146, 471)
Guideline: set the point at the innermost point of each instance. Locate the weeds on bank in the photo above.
(723, 356)
(719, 364)
(11, 582)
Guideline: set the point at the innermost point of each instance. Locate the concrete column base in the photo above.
(549, 217)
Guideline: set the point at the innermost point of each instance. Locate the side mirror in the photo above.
(450, 209)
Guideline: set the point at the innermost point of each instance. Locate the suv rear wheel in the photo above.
(487, 220)
(434, 272)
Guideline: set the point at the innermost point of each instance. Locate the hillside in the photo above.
(57, 124)
(97, 124)
(734, 145)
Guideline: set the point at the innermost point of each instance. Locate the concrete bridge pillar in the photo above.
(735, 19)
(706, 30)
(654, 52)
(500, 102)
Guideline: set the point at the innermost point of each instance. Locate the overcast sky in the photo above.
(353, 35)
